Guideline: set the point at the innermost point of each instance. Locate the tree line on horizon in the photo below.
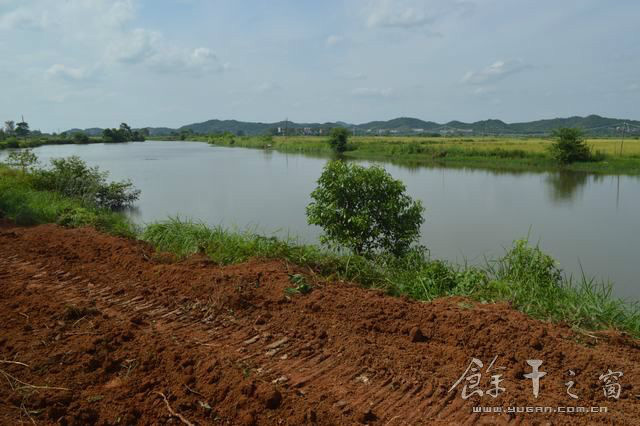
(19, 135)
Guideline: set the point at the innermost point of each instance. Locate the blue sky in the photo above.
(85, 63)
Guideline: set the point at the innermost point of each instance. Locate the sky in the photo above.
(96, 63)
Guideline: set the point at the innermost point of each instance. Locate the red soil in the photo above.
(122, 327)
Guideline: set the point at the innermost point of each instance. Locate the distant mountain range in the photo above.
(593, 125)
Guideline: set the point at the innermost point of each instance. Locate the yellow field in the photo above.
(607, 146)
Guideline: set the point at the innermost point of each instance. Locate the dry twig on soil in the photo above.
(194, 392)
(173, 413)
(29, 385)
(2, 361)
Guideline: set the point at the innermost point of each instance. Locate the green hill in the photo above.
(593, 125)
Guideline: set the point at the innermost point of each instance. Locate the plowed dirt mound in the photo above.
(100, 330)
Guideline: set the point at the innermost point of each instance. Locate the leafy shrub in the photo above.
(72, 177)
(77, 217)
(524, 262)
(267, 140)
(338, 139)
(570, 146)
(226, 138)
(11, 143)
(123, 134)
(115, 195)
(23, 159)
(80, 138)
(364, 209)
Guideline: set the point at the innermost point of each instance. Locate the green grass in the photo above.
(525, 277)
(481, 152)
(36, 141)
(24, 205)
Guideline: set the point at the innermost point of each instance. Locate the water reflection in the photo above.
(564, 186)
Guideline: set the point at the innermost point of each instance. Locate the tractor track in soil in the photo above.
(120, 325)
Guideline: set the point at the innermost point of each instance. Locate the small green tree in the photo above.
(338, 139)
(23, 159)
(364, 209)
(80, 137)
(112, 135)
(22, 129)
(10, 127)
(72, 177)
(123, 134)
(126, 131)
(569, 146)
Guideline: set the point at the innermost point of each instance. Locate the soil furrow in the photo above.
(116, 324)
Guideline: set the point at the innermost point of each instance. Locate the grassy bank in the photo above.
(22, 203)
(482, 152)
(525, 277)
(36, 141)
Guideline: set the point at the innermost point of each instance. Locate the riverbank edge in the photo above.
(38, 142)
(496, 159)
(525, 277)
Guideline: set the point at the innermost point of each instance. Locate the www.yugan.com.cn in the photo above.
(539, 409)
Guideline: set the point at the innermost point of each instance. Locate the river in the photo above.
(588, 222)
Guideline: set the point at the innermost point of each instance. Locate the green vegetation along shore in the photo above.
(525, 277)
(19, 136)
(480, 152)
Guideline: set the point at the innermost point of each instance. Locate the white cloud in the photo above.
(103, 29)
(23, 18)
(410, 13)
(139, 45)
(67, 73)
(334, 39)
(495, 72)
(117, 12)
(67, 16)
(372, 92)
(200, 60)
(634, 87)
